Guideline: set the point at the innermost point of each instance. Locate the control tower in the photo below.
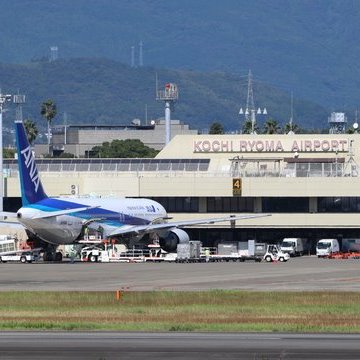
(169, 96)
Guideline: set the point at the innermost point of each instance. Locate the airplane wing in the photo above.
(153, 227)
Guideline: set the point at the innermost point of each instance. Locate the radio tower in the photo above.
(250, 107)
(250, 111)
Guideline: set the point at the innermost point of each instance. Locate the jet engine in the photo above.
(172, 238)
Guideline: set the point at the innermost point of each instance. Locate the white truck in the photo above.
(294, 246)
(326, 247)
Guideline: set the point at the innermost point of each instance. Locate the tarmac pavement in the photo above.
(298, 274)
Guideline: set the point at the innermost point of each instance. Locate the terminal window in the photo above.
(285, 204)
(179, 204)
(339, 204)
(230, 204)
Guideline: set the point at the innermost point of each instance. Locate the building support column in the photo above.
(313, 208)
(202, 205)
(257, 205)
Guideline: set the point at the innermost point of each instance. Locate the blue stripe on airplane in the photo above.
(110, 217)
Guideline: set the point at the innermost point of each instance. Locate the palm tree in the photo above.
(31, 130)
(271, 127)
(294, 128)
(48, 112)
(247, 127)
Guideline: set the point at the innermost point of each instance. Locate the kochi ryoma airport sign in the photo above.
(228, 146)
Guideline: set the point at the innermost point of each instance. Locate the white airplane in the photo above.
(50, 222)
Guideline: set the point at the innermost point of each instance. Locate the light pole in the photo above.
(3, 99)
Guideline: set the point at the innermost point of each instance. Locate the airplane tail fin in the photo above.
(31, 188)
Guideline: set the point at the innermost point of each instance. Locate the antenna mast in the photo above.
(250, 107)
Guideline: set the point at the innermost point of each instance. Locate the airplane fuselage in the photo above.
(108, 213)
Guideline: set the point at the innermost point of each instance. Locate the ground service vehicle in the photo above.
(24, 257)
(326, 247)
(189, 252)
(294, 246)
(273, 253)
(91, 253)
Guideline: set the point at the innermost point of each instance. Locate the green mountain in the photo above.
(101, 91)
(308, 47)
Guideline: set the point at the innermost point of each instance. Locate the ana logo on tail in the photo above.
(30, 165)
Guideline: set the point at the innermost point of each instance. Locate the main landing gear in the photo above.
(50, 254)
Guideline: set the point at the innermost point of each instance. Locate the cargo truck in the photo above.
(294, 246)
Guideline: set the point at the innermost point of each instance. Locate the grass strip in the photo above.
(217, 310)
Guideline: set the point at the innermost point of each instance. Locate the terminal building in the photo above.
(80, 139)
(310, 184)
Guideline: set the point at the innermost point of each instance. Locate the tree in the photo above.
(294, 128)
(247, 127)
(9, 153)
(130, 148)
(48, 112)
(216, 128)
(271, 127)
(31, 130)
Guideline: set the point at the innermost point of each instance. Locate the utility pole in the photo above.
(3, 99)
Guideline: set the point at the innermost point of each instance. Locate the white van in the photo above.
(325, 247)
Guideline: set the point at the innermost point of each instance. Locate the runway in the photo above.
(298, 274)
(307, 273)
(124, 345)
